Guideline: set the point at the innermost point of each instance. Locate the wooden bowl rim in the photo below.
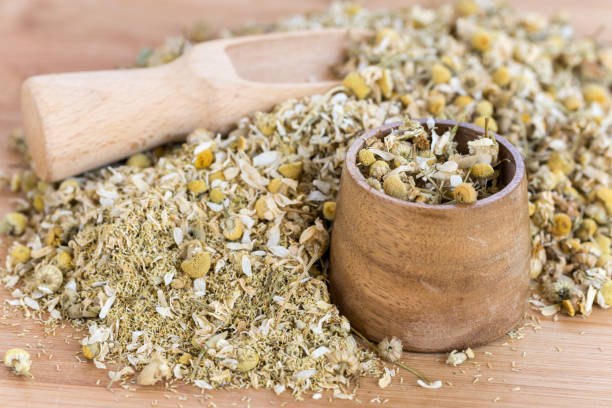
(355, 174)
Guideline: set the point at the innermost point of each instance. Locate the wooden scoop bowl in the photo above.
(439, 277)
(79, 121)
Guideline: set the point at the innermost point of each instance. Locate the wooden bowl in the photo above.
(439, 277)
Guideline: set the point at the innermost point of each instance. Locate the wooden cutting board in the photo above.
(567, 363)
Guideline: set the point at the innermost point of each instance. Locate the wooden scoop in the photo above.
(79, 121)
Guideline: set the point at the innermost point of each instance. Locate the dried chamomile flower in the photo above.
(561, 161)
(139, 161)
(390, 350)
(501, 76)
(21, 254)
(605, 195)
(385, 82)
(69, 185)
(440, 74)
(343, 361)
(156, 370)
(18, 360)
(586, 229)
(481, 170)
(355, 82)
(481, 40)
(484, 108)
(276, 186)
(197, 266)
(90, 351)
(436, 103)
(264, 208)
(49, 277)
(456, 358)
(315, 239)
(462, 101)
(562, 224)
(465, 193)
(395, 187)
(185, 358)
(38, 202)
(379, 169)
(233, 229)
(216, 196)
(291, 170)
(63, 259)
(14, 223)
(572, 103)
(248, 359)
(606, 291)
(595, 93)
(204, 159)
(197, 187)
(366, 157)
(480, 121)
(329, 210)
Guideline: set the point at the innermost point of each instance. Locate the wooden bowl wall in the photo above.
(438, 277)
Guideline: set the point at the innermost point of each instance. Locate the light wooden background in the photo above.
(565, 364)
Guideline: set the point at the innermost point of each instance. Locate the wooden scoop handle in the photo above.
(79, 121)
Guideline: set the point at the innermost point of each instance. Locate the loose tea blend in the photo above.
(207, 262)
(415, 164)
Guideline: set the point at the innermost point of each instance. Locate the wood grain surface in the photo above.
(566, 363)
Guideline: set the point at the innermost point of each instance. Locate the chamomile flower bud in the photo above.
(329, 210)
(291, 170)
(204, 159)
(436, 103)
(216, 196)
(21, 254)
(572, 103)
(595, 93)
(233, 229)
(481, 41)
(139, 161)
(484, 108)
(385, 83)
(501, 76)
(606, 291)
(91, 351)
(13, 223)
(440, 74)
(587, 229)
(562, 224)
(481, 170)
(357, 85)
(379, 169)
(18, 360)
(366, 157)
(197, 266)
(395, 187)
(64, 260)
(49, 276)
(465, 193)
(197, 186)
(462, 101)
(248, 359)
(480, 122)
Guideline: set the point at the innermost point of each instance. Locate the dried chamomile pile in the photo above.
(414, 164)
(206, 261)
